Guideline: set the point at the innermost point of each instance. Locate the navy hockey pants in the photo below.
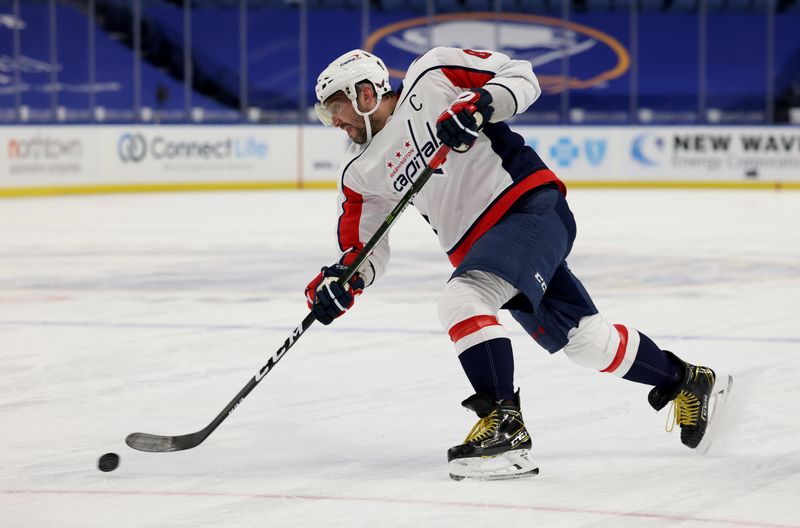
(528, 248)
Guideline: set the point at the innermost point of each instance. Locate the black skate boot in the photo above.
(695, 400)
(497, 447)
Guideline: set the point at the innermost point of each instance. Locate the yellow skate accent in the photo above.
(484, 428)
(683, 410)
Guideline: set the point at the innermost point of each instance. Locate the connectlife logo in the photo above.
(132, 147)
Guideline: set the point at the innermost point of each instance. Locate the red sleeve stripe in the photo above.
(621, 349)
(471, 325)
(462, 78)
(349, 221)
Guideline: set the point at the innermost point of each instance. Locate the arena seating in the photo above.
(274, 76)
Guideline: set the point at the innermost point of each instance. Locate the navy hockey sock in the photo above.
(653, 366)
(490, 368)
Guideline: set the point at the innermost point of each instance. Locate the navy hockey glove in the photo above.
(458, 126)
(327, 298)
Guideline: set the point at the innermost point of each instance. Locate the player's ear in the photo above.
(366, 95)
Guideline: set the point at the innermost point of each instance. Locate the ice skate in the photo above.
(497, 447)
(697, 401)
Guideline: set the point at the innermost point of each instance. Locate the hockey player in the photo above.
(502, 217)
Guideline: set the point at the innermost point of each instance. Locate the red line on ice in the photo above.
(417, 502)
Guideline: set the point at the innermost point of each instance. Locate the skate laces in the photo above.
(683, 410)
(484, 428)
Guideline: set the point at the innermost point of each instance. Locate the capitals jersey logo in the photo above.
(396, 164)
(410, 157)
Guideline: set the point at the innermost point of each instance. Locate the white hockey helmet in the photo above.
(343, 74)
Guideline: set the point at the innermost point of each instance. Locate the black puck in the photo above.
(108, 462)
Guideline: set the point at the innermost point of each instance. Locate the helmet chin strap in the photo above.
(366, 115)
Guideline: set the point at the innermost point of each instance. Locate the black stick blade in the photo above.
(163, 444)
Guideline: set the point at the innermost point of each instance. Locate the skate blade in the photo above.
(722, 390)
(510, 465)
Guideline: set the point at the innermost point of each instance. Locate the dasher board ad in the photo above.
(74, 155)
(55, 156)
(669, 153)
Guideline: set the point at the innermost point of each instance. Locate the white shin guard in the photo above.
(474, 294)
(599, 345)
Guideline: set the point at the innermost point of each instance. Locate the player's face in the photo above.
(345, 117)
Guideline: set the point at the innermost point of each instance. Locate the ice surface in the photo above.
(149, 312)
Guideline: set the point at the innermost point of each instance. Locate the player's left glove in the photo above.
(327, 298)
(458, 126)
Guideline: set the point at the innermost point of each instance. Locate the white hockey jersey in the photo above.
(472, 190)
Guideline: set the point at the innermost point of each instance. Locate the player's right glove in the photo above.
(327, 298)
(458, 126)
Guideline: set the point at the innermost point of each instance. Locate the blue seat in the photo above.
(267, 4)
(214, 3)
(509, 6)
(344, 4)
(393, 5)
(533, 6)
(715, 6)
(598, 6)
(738, 6)
(447, 6)
(683, 6)
(623, 5)
(479, 5)
(651, 5)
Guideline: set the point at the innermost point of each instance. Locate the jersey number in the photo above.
(479, 54)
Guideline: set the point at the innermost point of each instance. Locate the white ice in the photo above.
(149, 312)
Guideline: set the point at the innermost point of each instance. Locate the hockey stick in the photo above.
(160, 443)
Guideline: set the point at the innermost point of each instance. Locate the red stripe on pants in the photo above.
(471, 325)
(623, 345)
(500, 208)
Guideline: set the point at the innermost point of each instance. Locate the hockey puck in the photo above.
(108, 462)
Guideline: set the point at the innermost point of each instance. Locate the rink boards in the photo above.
(85, 159)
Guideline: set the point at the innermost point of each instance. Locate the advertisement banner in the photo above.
(56, 159)
(578, 152)
(747, 153)
(205, 153)
(32, 156)
(616, 155)
(111, 155)
(669, 154)
(324, 148)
